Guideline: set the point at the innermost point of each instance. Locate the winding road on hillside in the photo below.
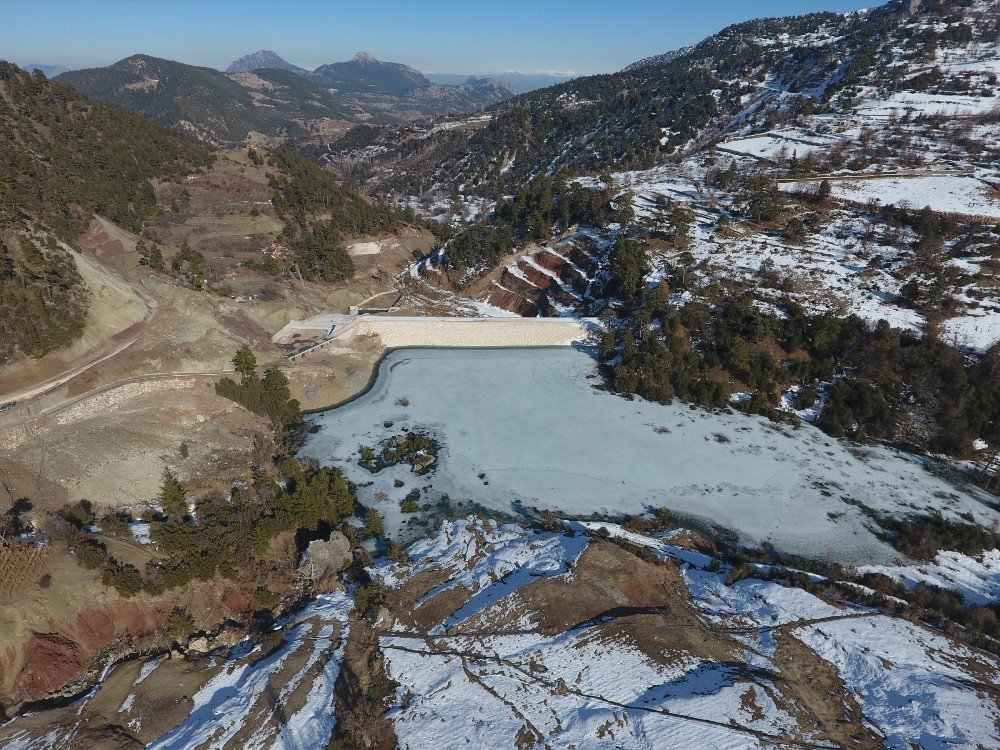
(62, 378)
(102, 352)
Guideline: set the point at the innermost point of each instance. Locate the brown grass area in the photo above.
(21, 565)
(814, 693)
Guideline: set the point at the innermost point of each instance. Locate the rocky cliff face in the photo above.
(59, 661)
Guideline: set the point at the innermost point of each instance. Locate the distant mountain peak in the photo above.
(260, 59)
(364, 74)
(50, 71)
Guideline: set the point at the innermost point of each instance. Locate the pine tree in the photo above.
(685, 260)
(373, 523)
(680, 222)
(823, 194)
(628, 259)
(245, 362)
(156, 258)
(172, 497)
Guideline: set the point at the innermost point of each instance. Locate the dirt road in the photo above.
(62, 378)
(55, 408)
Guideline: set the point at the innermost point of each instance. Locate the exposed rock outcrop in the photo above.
(323, 560)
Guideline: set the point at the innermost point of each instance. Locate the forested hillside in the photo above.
(319, 212)
(281, 103)
(366, 75)
(755, 74)
(218, 108)
(404, 92)
(64, 158)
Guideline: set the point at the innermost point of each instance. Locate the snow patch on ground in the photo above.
(976, 578)
(489, 560)
(976, 330)
(784, 143)
(586, 688)
(140, 531)
(914, 685)
(226, 704)
(958, 194)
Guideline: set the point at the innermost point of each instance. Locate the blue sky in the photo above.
(444, 36)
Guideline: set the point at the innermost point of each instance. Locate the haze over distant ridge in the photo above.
(438, 35)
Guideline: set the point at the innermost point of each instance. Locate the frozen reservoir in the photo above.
(526, 428)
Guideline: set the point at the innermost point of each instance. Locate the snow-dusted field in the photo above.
(784, 144)
(230, 703)
(580, 688)
(958, 194)
(836, 269)
(919, 103)
(976, 578)
(527, 428)
(976, 330)
(481, 672)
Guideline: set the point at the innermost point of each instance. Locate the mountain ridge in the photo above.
(213, 106)
(758, 72)
(263, 58)
(50, 70)
(520, 82)
(364, 74)
(279, 103)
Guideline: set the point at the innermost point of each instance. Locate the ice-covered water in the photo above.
(526, 428)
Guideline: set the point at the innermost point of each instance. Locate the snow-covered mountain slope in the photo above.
(928, 56)
(590, 635)
(849, 264)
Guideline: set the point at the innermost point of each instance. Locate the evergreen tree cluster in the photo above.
(542, 205)
(320, 212)
(585, 125)
(268, 396)
(64, 157)
(882, 382)
(43, 301)
(222, 535)
(186, 260)
(628, 266)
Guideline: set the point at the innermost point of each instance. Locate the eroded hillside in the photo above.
(586, 635)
